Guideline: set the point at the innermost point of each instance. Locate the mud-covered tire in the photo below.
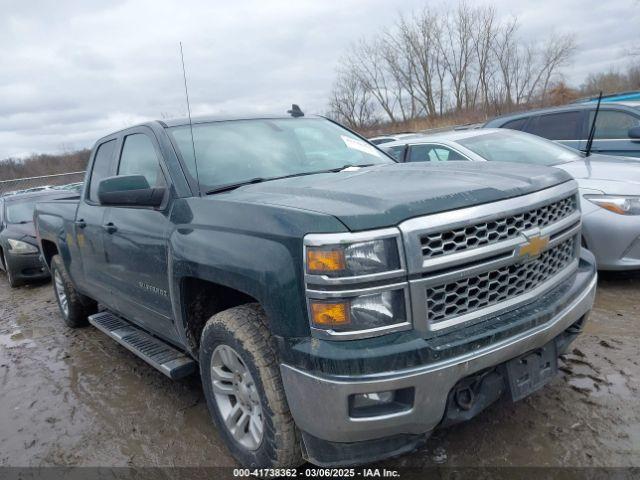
(244, 330)
(13, 282)
(79, 306)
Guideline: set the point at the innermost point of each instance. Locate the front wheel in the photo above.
(243, 388)
(13, 282)
(74, 307)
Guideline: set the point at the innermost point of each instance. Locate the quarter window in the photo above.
(396, 152)
(611, 124)
(557, 126)
(101, 167)
(516, 124)
(139, 158)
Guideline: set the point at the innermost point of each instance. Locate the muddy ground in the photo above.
(74, 397)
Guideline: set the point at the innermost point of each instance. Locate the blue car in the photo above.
(617, 126)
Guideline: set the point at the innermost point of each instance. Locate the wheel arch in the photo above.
(49, 249)
(200, 299)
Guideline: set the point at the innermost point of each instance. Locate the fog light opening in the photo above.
(373, 404)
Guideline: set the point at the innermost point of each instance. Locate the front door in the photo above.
(136, 241)
(612, 133)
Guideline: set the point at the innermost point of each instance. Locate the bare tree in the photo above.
(369, 66)
(455, 50)
(483, 38)
(351, 102)
(421, 38)
(438, 61)
(556, 53)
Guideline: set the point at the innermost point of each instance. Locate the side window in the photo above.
(613, 124)
(101, 167)
(516, 124)
(139, 158)
(419, 153)
(556, 126)
(433, 153)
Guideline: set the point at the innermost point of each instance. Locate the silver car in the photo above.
(609, 186)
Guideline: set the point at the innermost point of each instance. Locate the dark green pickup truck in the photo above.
(338, 306)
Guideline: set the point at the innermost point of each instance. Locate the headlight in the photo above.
(364, 312)
(20, 248)
(622, 205)
(356, 284)
(358, 258)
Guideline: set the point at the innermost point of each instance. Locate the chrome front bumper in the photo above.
(320, 404)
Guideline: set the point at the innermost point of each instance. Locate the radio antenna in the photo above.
(592, 132)
(193, 143)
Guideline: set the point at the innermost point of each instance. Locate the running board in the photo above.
(170, 361)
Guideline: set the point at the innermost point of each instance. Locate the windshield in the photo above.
(239, 151)
(20, 211)
(509, 146)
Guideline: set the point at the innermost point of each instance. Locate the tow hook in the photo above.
(464, 398)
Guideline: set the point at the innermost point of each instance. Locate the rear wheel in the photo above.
(74, 307)
(243, 388)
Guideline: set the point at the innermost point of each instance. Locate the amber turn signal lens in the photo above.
(613, 207)
(325, 260)
(329, 315)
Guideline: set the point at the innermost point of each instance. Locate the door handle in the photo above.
(110, 227)
(81, 223)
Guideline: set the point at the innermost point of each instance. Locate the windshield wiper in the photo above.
(233, 186)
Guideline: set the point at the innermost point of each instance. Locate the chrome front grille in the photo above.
(470, 264)
(503, 228)
(461, 297)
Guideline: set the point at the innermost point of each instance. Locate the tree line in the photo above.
(438, 61)
(44, 164)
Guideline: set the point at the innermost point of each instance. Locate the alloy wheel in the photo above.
(60, 293)
(237, 397)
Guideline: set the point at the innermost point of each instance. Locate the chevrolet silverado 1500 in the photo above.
(337, 305)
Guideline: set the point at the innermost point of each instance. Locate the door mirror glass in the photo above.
(129, 190)
(634, 132)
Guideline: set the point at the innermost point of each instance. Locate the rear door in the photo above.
(89, 221)
(565, 127)
(136, 240)
(612, 132)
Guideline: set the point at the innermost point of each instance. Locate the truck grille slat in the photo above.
(504, 228)
(489, 288)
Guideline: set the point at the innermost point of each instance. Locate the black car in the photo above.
(19, 253)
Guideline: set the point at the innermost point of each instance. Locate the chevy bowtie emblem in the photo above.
(533, 247)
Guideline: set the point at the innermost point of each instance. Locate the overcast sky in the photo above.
(74, 70)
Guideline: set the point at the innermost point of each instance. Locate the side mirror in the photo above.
(634, 132)
(129, 190)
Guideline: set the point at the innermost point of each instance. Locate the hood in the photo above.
(614, 174)
(385, 195)
(21, 231)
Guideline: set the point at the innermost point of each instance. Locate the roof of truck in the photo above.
(176, 122)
